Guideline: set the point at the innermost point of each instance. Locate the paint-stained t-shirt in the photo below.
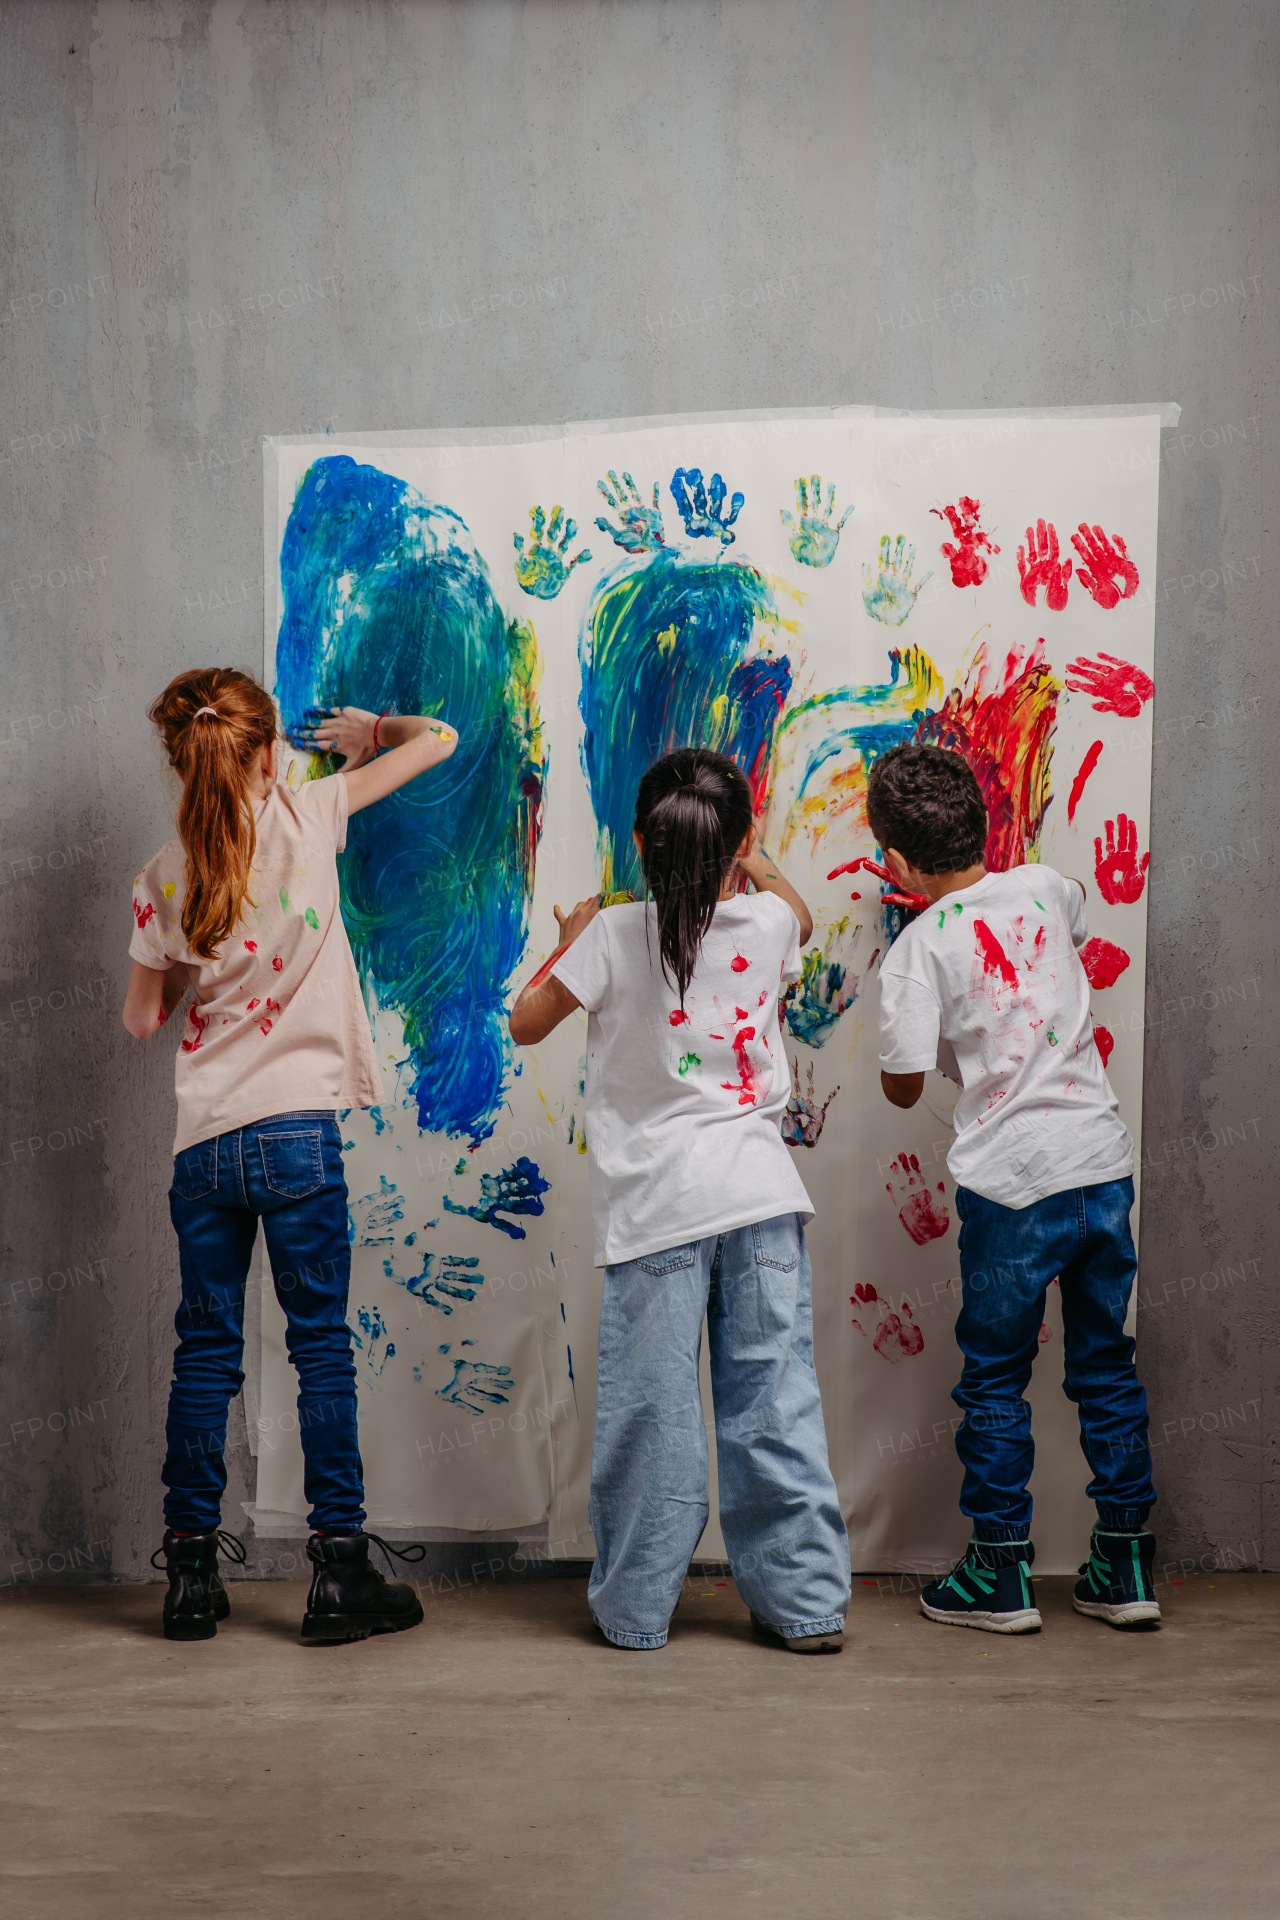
(988, 986)
(684, 1110)
(276, 1023)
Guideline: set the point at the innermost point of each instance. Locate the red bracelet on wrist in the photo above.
(377, 723)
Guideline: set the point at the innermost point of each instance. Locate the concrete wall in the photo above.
(229, 220)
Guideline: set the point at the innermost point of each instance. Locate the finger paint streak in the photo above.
(675, 653)
(993, 956)
(389, 605)
(1078, 785)
(747, 1087)
(827, 987)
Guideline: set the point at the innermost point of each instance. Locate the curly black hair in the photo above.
(927, 804)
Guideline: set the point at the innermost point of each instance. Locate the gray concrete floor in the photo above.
(500, 1760)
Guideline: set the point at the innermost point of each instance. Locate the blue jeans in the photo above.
(286, 1171)
(1008, 1257)
(778, 1508)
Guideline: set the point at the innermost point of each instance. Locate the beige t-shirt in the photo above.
(277, 1024)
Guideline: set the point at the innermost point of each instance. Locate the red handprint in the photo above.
(913, 902)
(923, 1217)
(898, 1339)
(1039, 566)
(1120, 874)
(1116, 688)
(1103, 961)
(967, 556)
(1102, 564)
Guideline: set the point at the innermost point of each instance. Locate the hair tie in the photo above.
(212, 710)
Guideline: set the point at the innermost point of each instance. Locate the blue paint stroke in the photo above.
(702, 508)
(672, 656)
(827, 987)
(443, 1279)
(476, 1386)
(516, 1189)
(374, 1327)
(388, 604)
(382, 1210)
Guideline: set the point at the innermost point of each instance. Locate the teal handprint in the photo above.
(700, 515)
(814, 540)
(544, 569)
(639, 528)
(476, 1386)
(888, 595)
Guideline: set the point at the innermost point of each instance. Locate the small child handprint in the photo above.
(1114, 685)
(814, 540)
(702, 508)
(923, 1217)
(887, 594)
(476, 1386)
(1119, 873)
(544, 569)
(895, 1339)
(970, 545)
(639, 528)
(1039, 566)
(1103, 565)
(802, 1121)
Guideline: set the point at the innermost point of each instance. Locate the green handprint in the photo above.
(889, 595)
(814, 540)
(639, 528)
(544, 569)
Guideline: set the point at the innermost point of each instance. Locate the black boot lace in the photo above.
(414, 1552)
(229, 1543)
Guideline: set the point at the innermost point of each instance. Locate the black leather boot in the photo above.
(196, 1599)
(349, 1599)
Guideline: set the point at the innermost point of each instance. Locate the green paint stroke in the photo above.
(689, 1063)
(312, 922)
(285, 903)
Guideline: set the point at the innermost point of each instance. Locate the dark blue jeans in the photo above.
(286, 1171)
(1008, 1257)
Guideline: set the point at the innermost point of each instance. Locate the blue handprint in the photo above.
(452, 1276)
(814, 540)
(544, 569)
(476, 1386)
(639, 528)
(888, 595)
(700, 516)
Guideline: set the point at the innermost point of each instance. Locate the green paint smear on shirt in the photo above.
(284, 901)
(1052, 1037)
(311, 919)
(689, 1063)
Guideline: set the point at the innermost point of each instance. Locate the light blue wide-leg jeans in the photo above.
(778, 1508)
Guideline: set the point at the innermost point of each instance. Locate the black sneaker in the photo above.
(349, 1599)
(196, 1599)
(990, 1589)
(1117, 1585)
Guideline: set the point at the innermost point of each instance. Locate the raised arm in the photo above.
(546, 1001)
(765, 877)
(415, 742)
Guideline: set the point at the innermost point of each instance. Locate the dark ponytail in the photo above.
(693, 812)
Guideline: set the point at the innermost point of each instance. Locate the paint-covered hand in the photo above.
(913, 902)
(639, 527)
(802, 1121)
(1116, 687)
(968, 550)
(477, 1387)
(1120, 874)
(346, 731)
(1039, 566)
(813, 538)
(702, 508)
(572, 924)
(1105, 568)
(887, 592)
(545, 568)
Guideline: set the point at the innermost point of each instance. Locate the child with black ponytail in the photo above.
(698, 1209)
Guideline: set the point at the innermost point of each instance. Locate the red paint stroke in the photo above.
(994, 957)
(764, 995)
(968, 554)
(678, 1018)
(1002, 722)
(921, 1216)
(252, 1004)
(143, 914)
(1104, 1040)
(272, 1006)
(1118, 871)
(199, 1025)
(1103, 961)
(277, 964)
(740, 1013)
(715, 1036)
(861, 1295)
(1078, 785)
(1105, 569)
(545, 969)
(1118, 687)
(895, 1340)
(1039, 566)
(252, 945)
(745, 1086)
(738, 964)
(1046, 1332)
(914, 902)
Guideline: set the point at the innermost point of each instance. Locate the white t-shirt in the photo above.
(988, 986)
(276, 1023)
(684, 1113)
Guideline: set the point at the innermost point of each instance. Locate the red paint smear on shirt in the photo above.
(252, 945)
(1002, 722)
(679, 1018)
(1087, 766)
(277, 964)
(994, 958)
(143, 914)
(1105, 1042)
(193, 1046)
(1103, 961)
(738, 964)
(745, 1086)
